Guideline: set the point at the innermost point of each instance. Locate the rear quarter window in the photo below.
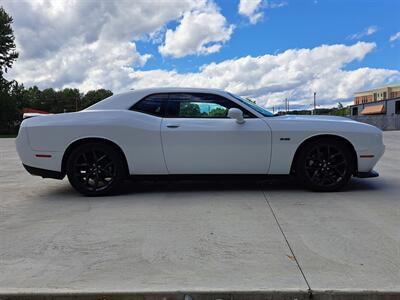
(151, 105)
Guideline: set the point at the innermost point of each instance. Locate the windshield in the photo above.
(254, 106)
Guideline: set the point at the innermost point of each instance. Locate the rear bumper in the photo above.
(369, 174)
(46, 160)
(44, 173)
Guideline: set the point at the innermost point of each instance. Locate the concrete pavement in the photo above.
(219, 239)
(350, 239)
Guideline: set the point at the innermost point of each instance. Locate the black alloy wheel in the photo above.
(95, 169)
(325, 165)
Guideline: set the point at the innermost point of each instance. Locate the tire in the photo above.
(325, 165)
(95, 169)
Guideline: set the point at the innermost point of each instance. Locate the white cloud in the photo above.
(87, 66)
(87, 43)
(250, 9)
(366, 32)
(295, 73)
(201, 31)
(278, 4)
(91, 44)
(395, 37)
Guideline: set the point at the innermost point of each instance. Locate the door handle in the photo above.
(173, 125)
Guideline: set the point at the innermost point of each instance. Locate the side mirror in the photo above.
(237, 114)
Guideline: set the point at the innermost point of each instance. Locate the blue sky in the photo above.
(268, 50)
(300, 24)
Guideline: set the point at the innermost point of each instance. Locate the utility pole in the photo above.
(315, 104)
(288, 108)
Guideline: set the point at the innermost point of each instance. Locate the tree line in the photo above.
(14, 96)
(57, 101)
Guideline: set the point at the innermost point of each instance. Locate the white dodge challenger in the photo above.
(187, 131)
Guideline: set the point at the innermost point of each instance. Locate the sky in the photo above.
(267, 50)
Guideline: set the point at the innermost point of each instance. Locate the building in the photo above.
(379, 107)
(379, 94)
(380, 101)
(31, 112)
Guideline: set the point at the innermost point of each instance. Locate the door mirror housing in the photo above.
(237, 114)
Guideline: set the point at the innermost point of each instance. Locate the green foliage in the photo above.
(340, 110)
(344, 111)
(299, 112)
(7, 46)
(8, 55)
(68, 100)
(16, 97)
(95, 96)
(193, 110)
(50, 100)
(8, 110)
(218, 112)
(190, 110)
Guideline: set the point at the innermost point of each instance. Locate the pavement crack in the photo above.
(288, 244)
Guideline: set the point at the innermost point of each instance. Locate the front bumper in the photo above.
(367, 158)
(369, 174)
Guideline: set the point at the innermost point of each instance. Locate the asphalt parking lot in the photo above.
(267, 239)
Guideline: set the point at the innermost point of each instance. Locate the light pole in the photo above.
(285, 105)
(315, 103)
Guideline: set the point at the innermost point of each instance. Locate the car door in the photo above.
(145, 153)
(199, 138)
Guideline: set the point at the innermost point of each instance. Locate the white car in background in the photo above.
(187, 131)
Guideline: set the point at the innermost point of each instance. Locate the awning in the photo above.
(373, 110)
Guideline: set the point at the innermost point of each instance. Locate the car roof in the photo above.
(176, 89)
(127, 99)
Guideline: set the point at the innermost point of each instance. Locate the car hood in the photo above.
(315, 118)
(319, 124)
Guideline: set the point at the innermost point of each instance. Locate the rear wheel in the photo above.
(95, 169)
(325, 165)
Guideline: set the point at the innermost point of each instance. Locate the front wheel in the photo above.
(325, 165)
(95, 169)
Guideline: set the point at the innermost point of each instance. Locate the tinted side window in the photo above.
(201, 106)
(152, 105)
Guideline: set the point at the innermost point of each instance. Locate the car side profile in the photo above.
(188, 131)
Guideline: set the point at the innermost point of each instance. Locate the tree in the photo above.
(190, 110)
(68, 100)
(95, 96)
(8, 109)
(218, 112)
(7, 46)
